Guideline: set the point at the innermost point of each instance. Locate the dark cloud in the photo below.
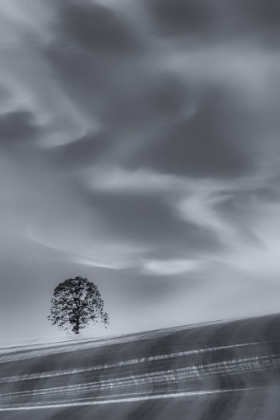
(259, 20)
(123, 91)
(181, 17)
(218, 21)
(17, 127)
(262, 12)
(85, 151)
(78, 75)
(215, 142)
(95, 58)
(95, 27)
(104, 88)
(148, 220)
(167, 98)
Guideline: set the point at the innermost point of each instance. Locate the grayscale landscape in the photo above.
(139, 209)
(226, 370)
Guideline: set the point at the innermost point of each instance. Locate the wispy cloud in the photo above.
(170, 267)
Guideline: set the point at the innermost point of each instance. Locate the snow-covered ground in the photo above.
(224, 370)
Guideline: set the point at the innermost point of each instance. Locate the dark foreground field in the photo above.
(227, 370)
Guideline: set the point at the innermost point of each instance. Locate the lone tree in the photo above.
(75, 303)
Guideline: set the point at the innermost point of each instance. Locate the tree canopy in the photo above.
(75, 303)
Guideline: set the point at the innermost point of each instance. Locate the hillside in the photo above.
(224, 370)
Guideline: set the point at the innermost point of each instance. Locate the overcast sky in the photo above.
(139, 147)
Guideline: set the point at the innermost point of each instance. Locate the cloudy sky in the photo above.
(139, 147)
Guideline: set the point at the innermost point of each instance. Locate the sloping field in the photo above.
(225, 370)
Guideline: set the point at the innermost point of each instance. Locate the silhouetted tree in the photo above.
(75, 303)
